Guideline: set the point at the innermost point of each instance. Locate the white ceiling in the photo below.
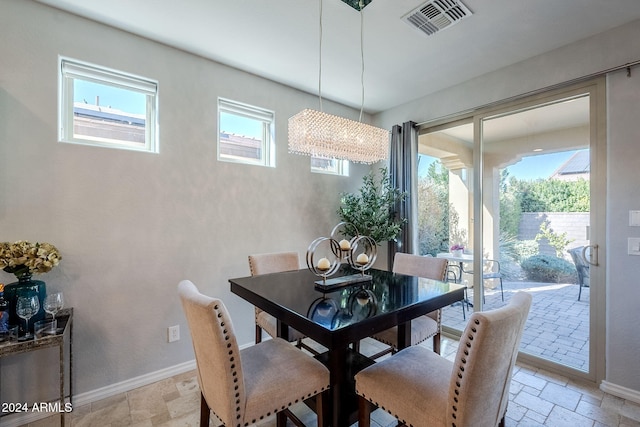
(278, 39)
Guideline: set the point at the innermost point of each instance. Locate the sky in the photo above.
(540, 166)
(529, 168)
(119, 99)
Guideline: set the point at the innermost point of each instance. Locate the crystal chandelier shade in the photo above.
(318, 134)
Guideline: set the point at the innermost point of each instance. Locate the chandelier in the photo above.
(318, 134)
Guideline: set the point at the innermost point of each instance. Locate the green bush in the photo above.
(524, 249)
(549, 269)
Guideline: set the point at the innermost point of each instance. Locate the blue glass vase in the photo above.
(25, 287)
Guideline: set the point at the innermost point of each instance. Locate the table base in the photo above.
(354, 363)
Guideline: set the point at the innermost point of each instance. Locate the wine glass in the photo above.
(26, 308)
(52, 304)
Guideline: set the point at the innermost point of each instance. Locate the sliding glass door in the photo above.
(516, 187)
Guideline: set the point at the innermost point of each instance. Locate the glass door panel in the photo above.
(445, 206)
(536, 222)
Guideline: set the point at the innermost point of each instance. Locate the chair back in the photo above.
(479, 388)
(421, 266)
(217, 353)
(582, 266)
(273, 262)
(491, 269)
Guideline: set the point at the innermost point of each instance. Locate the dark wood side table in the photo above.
(65, 322)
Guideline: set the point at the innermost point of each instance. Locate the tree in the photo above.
(373, 209)
(437, 218)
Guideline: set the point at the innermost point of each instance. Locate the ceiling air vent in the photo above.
(436, 15)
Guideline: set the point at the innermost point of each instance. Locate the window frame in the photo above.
(72, 69)
(341, 169)
(267, 117)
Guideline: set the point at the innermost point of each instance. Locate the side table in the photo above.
(65, 322)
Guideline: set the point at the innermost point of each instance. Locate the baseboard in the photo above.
(619, 391)
(104, 392)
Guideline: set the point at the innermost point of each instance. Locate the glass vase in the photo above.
(25, 286)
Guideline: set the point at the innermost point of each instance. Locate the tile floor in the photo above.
(537, 398)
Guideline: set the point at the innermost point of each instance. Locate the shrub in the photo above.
(524, 249)
(549, 269)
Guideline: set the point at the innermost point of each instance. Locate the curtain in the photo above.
(403, 165)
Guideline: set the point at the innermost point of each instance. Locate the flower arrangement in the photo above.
(457, 247)
(23, 258)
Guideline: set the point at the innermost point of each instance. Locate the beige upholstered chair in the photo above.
(243, 387)
(274, 263)
(421, 388)
(426, 326)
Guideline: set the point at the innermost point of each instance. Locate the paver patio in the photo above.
(558, 324)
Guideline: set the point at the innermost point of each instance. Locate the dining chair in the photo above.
(421, 388)
(242, 387)
(423, 327)
(268, 263)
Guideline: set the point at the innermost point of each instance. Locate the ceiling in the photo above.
(279, 39)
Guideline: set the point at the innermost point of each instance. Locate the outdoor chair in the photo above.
(582, 267)
(491, 270)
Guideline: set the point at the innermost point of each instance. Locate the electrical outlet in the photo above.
(173, 333)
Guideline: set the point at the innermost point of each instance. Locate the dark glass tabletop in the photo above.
(343, 315)
(296, 293)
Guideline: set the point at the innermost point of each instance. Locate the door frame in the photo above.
(596, 89)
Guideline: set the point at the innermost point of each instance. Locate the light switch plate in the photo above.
(634, 246)
(634, 218)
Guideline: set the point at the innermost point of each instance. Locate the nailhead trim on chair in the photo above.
(234, 373)
(463, 361)
(300, 399)
(400, 420)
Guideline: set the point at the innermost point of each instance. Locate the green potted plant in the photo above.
(372, 210)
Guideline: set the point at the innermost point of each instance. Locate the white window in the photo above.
(245, 134)
(107, 108)
(330, 166)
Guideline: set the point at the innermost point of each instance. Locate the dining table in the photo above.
(340, 314)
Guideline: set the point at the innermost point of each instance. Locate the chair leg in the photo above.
(436, 343)
(580, 291)
(287, 414)
(258, 334)
(281, 419)
(204, 411)
(501, 290)
(364, 412)
(320, 408)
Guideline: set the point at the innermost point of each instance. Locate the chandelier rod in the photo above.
(320, 59)
(361, 58)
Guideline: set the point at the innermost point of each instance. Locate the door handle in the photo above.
(593, 255)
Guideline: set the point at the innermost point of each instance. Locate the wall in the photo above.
(623, 194)
(131, 225)
(575, 224)
(604, 51)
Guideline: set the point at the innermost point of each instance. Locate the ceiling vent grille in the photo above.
(436, 15)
